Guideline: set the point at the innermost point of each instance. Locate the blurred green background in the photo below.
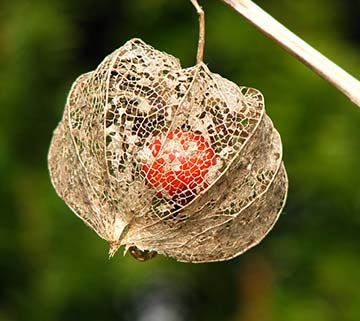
(53, 268)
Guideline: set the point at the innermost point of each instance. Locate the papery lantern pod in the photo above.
(113, 117)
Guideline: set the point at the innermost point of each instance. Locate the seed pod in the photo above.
(157, 158)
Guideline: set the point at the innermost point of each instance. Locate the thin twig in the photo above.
(327, 69)
(200, 52)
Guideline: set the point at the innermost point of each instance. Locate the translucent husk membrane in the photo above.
(99, 149)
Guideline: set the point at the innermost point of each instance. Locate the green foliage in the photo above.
(54, 268)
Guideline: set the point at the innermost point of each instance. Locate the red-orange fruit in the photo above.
(181, 161)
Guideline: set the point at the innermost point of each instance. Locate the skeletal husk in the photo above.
(100, 146)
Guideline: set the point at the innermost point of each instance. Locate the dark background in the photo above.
(52, 267)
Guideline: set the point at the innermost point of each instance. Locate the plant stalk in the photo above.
(201, 44)
(301, 50)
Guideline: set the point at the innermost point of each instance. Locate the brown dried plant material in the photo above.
(124, 121)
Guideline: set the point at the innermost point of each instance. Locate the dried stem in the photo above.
(327, 69)
(200, 52)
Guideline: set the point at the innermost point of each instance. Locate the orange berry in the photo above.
(180, 165)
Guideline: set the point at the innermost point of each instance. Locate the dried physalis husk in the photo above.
(161, 159)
